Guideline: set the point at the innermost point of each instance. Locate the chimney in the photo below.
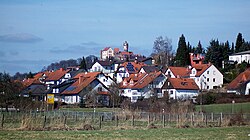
(61, 69)
(136, 61)
(80, 79)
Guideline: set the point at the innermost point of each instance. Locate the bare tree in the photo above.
(162, 50)
(114, 97)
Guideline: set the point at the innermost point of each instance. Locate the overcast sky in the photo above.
(35, 33)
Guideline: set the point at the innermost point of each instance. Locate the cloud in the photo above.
(20, 38)
(85, 48)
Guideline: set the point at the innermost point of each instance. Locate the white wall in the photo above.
(175, 94)
(247, 89)
(71, 99)
(171, 73)
(209, 79)
(240, 58)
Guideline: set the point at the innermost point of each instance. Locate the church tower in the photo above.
(125, 46)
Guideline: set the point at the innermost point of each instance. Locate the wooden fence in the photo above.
(110, 120)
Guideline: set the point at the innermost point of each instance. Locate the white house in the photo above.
(240, 57)
(85, 83)
(106, 53)
(206, 76)
(180, 88)
(143, 85)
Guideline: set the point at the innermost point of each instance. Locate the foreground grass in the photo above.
(163, 133)
(225, 108)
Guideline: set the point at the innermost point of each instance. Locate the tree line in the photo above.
(216, 52)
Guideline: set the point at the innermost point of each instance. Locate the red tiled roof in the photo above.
(30, 81)
(239, 80)
(126, 53)
(56, 75)
(105, 49)
(137, 66)
(38, 75)
(201, 68)
(181, 83)
(180, 71)
(34, 80)
(116, 50)
(82, 81)
(140, 80)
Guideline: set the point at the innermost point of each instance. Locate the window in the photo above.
(207, 72)
(208, 79)
(193, 71)
(99, 88)
(207, 87)
(213, 79)
(171, 92)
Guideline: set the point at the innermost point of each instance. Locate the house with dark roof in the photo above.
(85, 84)
(127, 68)
(180, 88)
(103, 66)
(241, 84)
(148, 69)
(34, 87)
(142, 85)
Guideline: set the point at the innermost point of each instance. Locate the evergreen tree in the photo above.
(232, 49)
(83, 64)
(199, 48)
(214, 53)
(226, 51)
(239, 43)
(30, 75)
(182, 55)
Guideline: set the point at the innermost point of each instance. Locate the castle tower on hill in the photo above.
(125, 46)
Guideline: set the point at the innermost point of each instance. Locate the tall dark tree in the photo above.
(214, 53)
(83, 64)
(232, 49)
(225, 50)
(239, 43)
(162, 50)
(199, 48)
(182, 55)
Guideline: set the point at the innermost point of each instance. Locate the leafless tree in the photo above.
(162, 50)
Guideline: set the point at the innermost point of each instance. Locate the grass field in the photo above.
(163, 133)
(225, 108)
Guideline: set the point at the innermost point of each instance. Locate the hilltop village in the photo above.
(121, 73)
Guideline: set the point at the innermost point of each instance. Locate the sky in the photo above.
(35, 33)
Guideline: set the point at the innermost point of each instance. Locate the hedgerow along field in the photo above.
(219, 133)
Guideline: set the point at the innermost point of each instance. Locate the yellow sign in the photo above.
(50, 98)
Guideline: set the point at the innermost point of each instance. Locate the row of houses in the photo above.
(134, 79)
(134, 76)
